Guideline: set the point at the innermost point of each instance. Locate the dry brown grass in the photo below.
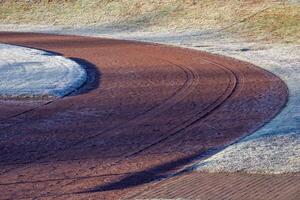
(280, 21)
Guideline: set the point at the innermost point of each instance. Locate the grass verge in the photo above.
(268, 19)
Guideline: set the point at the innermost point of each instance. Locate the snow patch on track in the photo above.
(26, 72)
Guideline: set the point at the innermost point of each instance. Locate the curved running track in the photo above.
(146, 111)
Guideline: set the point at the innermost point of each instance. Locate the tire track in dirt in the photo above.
(178, 96)
(198, 116)
(187, 88)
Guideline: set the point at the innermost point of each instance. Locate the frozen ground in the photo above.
(275, 148)
(26, 72)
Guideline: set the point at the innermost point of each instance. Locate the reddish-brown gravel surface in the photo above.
(236, 186)
(146, 111)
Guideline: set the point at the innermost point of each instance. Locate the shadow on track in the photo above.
(93, 77)
(149, 175)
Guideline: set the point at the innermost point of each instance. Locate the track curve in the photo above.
(146, 111)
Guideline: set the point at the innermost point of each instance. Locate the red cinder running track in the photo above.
(145, 111)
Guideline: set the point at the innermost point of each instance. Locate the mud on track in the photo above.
(145, 112)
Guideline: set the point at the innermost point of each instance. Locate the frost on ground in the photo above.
(275, 148)
(26, 72)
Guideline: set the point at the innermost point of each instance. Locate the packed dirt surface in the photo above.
(232, 186)
(145, 112)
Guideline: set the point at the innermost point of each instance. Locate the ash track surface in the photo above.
(234, 186)
(146, 111)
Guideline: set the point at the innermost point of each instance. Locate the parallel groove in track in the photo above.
(236, 186)
(169, 102)
(184, 91)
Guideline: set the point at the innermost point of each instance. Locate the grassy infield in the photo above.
(279, 22)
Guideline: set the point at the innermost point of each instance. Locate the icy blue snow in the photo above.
(30, 72)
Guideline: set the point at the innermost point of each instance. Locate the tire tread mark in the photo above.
(170, 101)
(230, 90)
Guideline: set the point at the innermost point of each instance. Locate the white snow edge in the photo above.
(27, 72)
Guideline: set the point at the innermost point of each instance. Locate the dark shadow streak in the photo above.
(149, 175)
(93, 77)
